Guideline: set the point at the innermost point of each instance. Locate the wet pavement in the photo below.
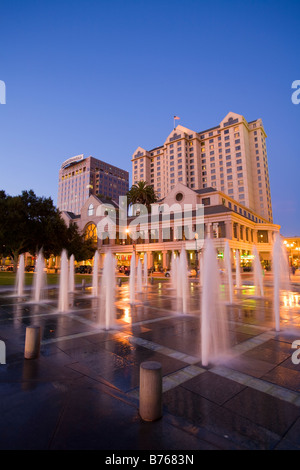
(82, 392)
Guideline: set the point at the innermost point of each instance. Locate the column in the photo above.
(229, 229)
(164, 260)
(150, 259)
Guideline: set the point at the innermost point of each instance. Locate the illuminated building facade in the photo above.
(80, 177)
(292, 245)
(224, 219)
(231, 157)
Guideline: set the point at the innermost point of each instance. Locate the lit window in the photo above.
(91, 232)
(90, 210)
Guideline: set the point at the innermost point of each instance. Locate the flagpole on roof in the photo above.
(175, 118)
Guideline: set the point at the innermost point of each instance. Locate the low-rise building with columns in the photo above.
(183, 219)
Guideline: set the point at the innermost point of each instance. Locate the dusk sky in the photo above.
(101, 78)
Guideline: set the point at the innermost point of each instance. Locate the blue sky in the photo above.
(103, 77)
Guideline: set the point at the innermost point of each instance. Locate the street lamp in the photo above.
(298, 253)
(132, 240)
(127, 232)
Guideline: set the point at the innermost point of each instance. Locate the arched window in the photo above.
(91, 232)
(90, 210)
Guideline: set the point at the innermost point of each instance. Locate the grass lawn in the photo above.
(8, 278)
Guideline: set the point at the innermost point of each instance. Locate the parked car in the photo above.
(29, 269)
(191, 273)
(126, 270)
(83, 270)
(247, 269)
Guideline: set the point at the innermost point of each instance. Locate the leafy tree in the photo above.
(30, 223)
(142, 193)
(77, 245)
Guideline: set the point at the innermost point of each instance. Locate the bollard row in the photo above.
(150, 406)
(32, 342)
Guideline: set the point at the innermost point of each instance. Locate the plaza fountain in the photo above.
(182, 279)
(139, 278)
(214, 331)
(281, 276)
(63, 295)
(132, 279)
(71, 274)
(228, 268)
(238, 281)
(201, 270)
(257, 272)
(20, 278)
(39, 279)
(174, 271)
(107, 313)
(178, 285)
(145, 270)
(95, 280)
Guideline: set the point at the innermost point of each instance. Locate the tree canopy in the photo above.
(30, 223)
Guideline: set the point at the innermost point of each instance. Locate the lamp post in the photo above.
(132, 241)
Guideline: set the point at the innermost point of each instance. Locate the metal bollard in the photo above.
(32, 342)
(150, 407)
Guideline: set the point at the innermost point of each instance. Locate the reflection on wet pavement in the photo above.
(257, 375)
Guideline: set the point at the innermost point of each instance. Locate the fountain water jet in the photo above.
(258, 279)
(71, 274)
(182, 279)
(107, 313)
(145, 269)
(63, 296)
(238, 281)
(177, 278)
(214, 331)
(139, 280)
(95, 281)
(20, 277)
(201, 270)
(281, 276)
(174, 271)
(228, 271)
(39, 279)
(132, 279)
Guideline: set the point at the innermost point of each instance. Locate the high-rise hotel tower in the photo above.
(231, 157)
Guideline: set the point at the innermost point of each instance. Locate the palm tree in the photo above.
(141, 193)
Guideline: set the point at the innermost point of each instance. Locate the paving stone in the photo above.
(83, 390)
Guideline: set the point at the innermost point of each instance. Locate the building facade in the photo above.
(223, 219)
(292, 245)
(231, 157)
(81, 177)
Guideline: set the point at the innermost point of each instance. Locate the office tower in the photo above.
(80, 177)
(230, 157)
